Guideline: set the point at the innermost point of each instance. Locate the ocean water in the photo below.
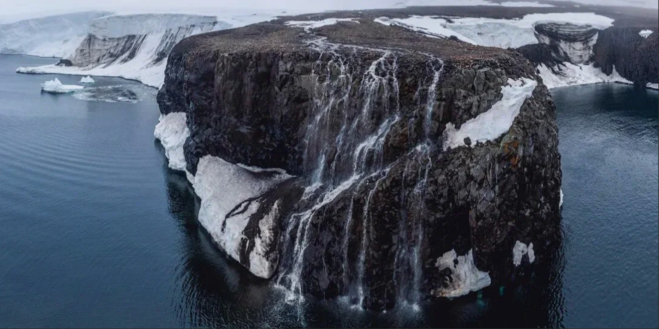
(96, 231)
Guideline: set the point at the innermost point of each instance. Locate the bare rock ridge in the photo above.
(390, 176)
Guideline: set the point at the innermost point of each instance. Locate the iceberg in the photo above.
(56, 87)
(87, 79)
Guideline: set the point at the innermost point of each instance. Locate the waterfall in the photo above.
(340, 160)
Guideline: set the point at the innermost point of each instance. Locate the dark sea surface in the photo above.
(96, 231)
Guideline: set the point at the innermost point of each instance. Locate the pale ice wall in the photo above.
(54, 36)
(132, 47)
(116, 26)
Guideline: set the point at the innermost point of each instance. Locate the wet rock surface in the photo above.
(357, 111)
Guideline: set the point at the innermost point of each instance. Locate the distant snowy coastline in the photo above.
(133, 47)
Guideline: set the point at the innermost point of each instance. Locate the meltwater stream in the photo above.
(95, 230)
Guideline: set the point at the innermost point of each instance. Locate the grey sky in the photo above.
(19, 9)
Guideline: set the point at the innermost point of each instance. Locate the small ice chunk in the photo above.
(496, 121)
(56, 87)
(654, 86)
(465, 277)
(87, 79)
(645, 33)
(520, 250)
(560, 203)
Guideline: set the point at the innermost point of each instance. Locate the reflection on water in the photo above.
(217, 292)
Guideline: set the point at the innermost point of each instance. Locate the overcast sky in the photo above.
(33, 8)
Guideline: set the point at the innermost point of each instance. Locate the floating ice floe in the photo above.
(56, 87)
(496, 121)
(645, 33)
(87, 79)
(520, 250)
(308, 25)
(568, 74)
(654, 86)
(465, 276)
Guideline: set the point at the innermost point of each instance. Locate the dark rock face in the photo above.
(540, 53)
(358, 117)
(64, 62)
(633, 56)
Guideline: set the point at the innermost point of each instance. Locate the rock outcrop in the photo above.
(366, 199)
(633, 56)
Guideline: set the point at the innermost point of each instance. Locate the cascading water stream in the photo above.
(368, 106)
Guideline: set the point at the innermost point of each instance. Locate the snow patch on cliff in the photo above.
(465, 276)
(56, 87)
(645, 33)
(496, 121)
(520, 250)
(569, 74)
(560, 202)
(491, 32)
(172, 131)
(230, 195)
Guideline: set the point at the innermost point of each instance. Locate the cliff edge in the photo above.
(343, 157)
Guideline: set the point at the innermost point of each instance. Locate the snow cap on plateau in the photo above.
(307, 25)
(502, 33)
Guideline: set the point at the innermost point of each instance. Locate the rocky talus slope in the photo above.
(357, 159)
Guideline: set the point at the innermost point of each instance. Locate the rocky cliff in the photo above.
(349, 158)
(635, 57)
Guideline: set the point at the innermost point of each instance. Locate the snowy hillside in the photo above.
(55, 36)
(128, 46)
